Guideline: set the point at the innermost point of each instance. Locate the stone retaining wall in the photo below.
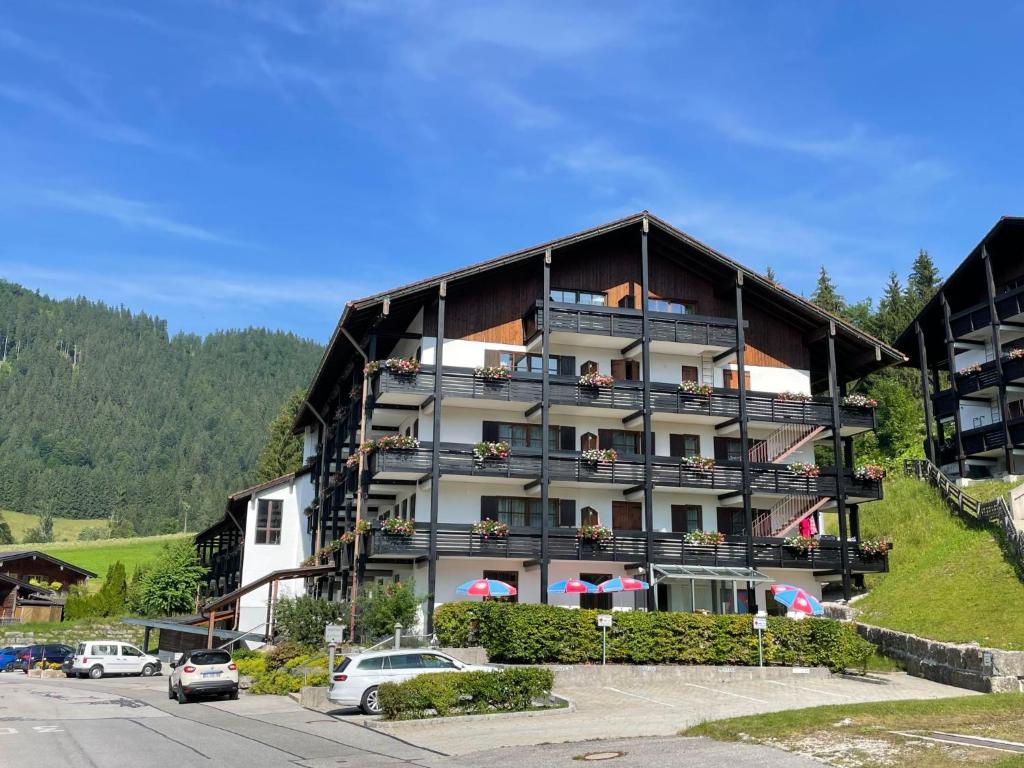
(72, 633)
(590, 675)
(989, 670)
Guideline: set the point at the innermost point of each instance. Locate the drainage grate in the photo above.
(600, 755)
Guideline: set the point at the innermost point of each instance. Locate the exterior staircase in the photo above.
(783, 442)
(786, 514)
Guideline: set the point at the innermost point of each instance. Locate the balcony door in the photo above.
(627, 516)
(509, 577)
(601, 602)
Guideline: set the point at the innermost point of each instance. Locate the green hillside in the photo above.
(104, 415)
(64, 528)
(97, 556)
(948, 579)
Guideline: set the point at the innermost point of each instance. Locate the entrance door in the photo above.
(627, 516)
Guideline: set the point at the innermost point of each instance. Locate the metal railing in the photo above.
(966, 506)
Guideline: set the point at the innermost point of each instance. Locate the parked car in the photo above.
(356, 678)
(203, 672)
(9, 660)
(51, 653)
(97, 658)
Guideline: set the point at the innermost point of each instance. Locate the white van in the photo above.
(97, 658)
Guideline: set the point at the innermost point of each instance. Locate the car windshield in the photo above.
(81, 649)
(206, 658)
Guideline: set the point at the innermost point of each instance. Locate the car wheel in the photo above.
(182, 698)
(371, 701)
(148, 670)
(170, 690)
(96, 672)
(233, 696)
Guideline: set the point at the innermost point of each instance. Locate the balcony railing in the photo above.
(970, 383)
(458, 540)
(628, 324)
(525, 388)
(979, 317)
(666, 472)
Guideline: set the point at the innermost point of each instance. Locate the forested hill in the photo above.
(103, 415)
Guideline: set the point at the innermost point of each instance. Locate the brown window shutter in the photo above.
(588, 441)
(604, 438)
(416, 428)
(633, 370)
(746, 380)
(722, 448)
(566, 365)
(492, 357)
(588, 367)
(689, 373)
(676, 447)
(490, 431)
(679, 518)
(567, 438)
(488, 507)
(729, 378)
(567, 513)
(619, 370)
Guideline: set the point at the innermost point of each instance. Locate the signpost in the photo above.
(760, 624)
(333, 634)
(604, 620)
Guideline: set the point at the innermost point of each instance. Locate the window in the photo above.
(689, 373)
(686, 518)
(625, 442)
(528, 362)
(519, 512)
(268, 521)
(527, 435)
(684, 445)
(731, 521)
(433, 661)
(600, 602)
(130, 650)
(406, 661)
(509, 577)
(376, 662)
(572, 296)
(626, 370)
(207, 658)
(673, 306)
(729, 449)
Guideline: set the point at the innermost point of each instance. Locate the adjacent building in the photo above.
(968, 343)
(621, 401)
(33, 586)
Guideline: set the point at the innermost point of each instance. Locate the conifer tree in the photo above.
(283, 452)
(6, 537)
(923, 282)
(826, 296)
(893, 311)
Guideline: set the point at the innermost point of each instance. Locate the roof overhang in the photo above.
(660, 573)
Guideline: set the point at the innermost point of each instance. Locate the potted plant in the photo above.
(490, 450)
(802, 545)
(805, 470)
(702, 464)
(797, 397)
(596, 456)
(969, 369)
(490, 529)
(858, 400)
(874, 472)
(1016, 353)
(872, 548)
(695, 388)
(494, 372)
(705, 538)
(596, 380)
(398, 528)
(396, 365)
(594, 535)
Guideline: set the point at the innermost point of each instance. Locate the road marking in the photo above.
(47, 729)
(965, 741)
(638, 696)
(726, 693)
(804, 688)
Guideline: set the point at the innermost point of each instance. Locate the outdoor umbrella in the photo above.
(573, 587)
(486, 588)
(797, 599)
(622, 584)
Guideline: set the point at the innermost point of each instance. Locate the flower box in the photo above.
(695, 388)
(859, 401)
(1016, 353)
(805, 470)
(383, 444)
(397, 527)
(594, 534)
(397, 365)
(490, 451)
(493, 372)
(969, 369)
(599, 456)
(796, 397)
(490, 529)
(597, 380)
(802, 544)
(702, 464)
(873, 547)
(705, 538)
(874, 472)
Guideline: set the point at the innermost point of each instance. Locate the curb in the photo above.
(388, 726)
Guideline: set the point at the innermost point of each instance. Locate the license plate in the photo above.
(211, 674)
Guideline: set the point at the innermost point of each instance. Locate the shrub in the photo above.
(544, 634)
(282, 653)
(169, 586)
(302, 619)
(276, 683)
(447, 693)
(383, 607)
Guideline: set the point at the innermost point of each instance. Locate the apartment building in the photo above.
(968, 343)
(621, 401)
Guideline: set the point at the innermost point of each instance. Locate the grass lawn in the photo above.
(861, 734)
(64, 528)
(948, 579)
(96, 556)
(990, 489)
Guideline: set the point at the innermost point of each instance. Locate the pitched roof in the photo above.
(6, 557)
(799, 303)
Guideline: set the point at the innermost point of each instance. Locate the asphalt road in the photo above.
(130, 723)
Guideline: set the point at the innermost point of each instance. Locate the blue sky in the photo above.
(226, 163)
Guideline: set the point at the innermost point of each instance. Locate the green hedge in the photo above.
(545, 634)
(449, 693)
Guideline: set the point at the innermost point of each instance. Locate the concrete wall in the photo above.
(989, 670)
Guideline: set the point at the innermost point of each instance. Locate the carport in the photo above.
(178, 636)
(716, 589)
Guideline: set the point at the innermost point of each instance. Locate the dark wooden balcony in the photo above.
(456, 459)
(524, 389)
(698, 331)
(458, 540)
(978, 318)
